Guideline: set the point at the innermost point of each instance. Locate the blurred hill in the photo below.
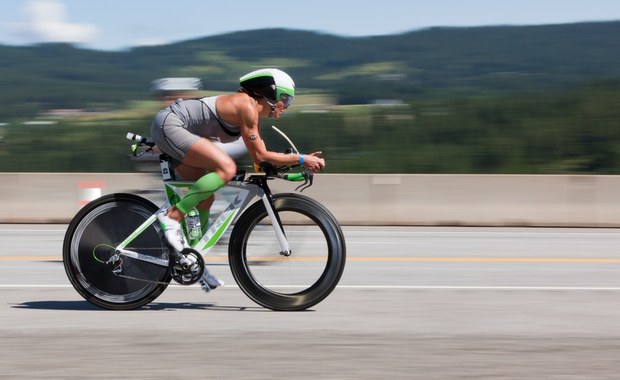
(531, 99)
(421, 64)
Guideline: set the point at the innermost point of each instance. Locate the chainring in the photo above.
(187, 267)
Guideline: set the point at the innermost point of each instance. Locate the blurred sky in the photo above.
(119, 24)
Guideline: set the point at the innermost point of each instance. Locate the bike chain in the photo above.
(140, 279)
(186, 251)
(119, 268)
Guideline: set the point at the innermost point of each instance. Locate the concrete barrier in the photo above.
(359, 199)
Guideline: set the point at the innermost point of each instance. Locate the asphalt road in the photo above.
(413, 303)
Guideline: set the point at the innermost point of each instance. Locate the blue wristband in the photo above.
(301, 159)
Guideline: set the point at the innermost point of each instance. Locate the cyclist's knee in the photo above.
(227, 171)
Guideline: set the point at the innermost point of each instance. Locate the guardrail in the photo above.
(359, 199)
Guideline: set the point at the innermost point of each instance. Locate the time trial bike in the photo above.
(286, 251)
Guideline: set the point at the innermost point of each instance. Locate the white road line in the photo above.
(567, 233)
(448, 287)
(370, 287)
(31, 231)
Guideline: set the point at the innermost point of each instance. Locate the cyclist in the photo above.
(204, 136)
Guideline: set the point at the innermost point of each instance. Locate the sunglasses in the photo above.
(286, 99)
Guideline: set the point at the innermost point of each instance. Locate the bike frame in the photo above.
(95, 232)
(244, 191)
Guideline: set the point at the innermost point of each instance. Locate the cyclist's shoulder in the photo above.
(237, 99)
(237, 106)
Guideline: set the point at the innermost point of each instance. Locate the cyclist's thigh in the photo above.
(205, 155)
(235, 149)
(169, 134)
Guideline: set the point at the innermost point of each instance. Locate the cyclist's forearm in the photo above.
(278, 159)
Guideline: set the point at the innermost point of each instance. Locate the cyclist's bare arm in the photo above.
(250, 132)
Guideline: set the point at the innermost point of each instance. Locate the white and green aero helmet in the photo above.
(272, 84)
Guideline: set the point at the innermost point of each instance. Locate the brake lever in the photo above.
(308, 181)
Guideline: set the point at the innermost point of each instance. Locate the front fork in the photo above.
(270, 206)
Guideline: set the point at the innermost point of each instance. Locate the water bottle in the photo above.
(193, 226)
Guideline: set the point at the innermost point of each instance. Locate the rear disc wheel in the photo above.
(125, 283)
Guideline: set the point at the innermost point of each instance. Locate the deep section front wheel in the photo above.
(294, 280)
(119, 283)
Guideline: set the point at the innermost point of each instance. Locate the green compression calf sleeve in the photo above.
(204, 220)
(201, 190)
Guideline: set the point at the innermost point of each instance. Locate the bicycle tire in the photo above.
(90, 240)
(319, 233)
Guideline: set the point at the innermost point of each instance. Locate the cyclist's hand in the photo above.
(314, 161)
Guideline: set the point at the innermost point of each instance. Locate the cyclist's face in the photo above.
(278, 108)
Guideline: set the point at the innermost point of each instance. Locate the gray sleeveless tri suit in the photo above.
(177, 127)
